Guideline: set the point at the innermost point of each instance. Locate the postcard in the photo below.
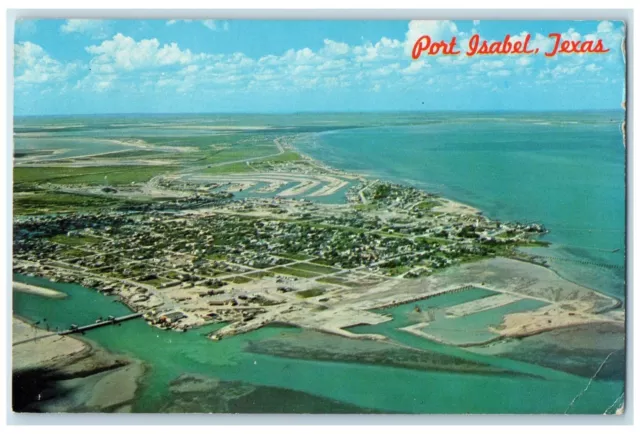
(319, 216)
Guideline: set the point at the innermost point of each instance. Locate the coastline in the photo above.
(456, 206)
(449, 205)
(37, 290)
(56, 373)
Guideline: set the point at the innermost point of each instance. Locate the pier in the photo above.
(427, 296)
(100, 324)
(81, 329)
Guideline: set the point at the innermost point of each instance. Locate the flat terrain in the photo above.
(232, 224)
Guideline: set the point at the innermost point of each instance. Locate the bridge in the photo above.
(81, 329)
(100, 324)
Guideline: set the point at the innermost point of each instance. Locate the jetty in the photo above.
(80, 329)
(108, 321)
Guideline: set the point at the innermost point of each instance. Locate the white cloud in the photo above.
(124, 63)
(385, 70)
(611, 36)
(571, 35)
(124, 53)
(96, 29)
(605, 27)
(415, 67)
(524, 61)
(172, 22)
(384, 49)
(560, 71)
(333, 48)
(486, 65)
(34, 65)
(437, 30)
(25, 27)
(476, 22)
(499, 73)
(215, 25)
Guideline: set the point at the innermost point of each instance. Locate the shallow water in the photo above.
(564, 170)
(381, 388)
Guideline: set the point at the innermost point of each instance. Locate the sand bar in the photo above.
(41, 352)
(38, 290)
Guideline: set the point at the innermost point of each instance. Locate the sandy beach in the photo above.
(93, 380)
(38, 290)
(44, 351)
(453, 207)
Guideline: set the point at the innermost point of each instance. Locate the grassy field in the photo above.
(259, 274)
(314, 268)
(111, 175)
(54, 202)
(239, 153)
(237, 279)
(294, 256)
(427, 205)
(294, 272)
(76, 241)
(283, 158)
(308, 293)
(228, 168)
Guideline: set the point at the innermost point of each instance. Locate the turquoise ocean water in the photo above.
(565, 170)
(380, 388)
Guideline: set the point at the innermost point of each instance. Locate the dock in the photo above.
(82, 329)
(100, 324)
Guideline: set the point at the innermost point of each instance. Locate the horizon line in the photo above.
(327, 112)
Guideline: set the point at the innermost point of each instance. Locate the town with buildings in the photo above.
(204, 256)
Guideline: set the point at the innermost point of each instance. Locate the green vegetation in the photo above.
(139, 153)
(380, 191)
(294, 272)
(313, 268)
(395, 270)
(427, 205)
(333, 280)
(239, 153)
(308, 293)
(284, 157)
(217, 257)
(228, 168)
(294, 256)
(155, 282)
(339, 281)
(76, 253)
(111, 175)
(238, 280)
(366, 206)
(259, 274)
(202, 142)
(56, 202)
(75, 240)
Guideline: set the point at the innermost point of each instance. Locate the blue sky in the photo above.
(164, 66)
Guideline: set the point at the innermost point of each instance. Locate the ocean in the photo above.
(564, 170)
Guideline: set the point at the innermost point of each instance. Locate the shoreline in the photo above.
(449, 205)
(37, 290)
(458, 206)
(92, 378)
